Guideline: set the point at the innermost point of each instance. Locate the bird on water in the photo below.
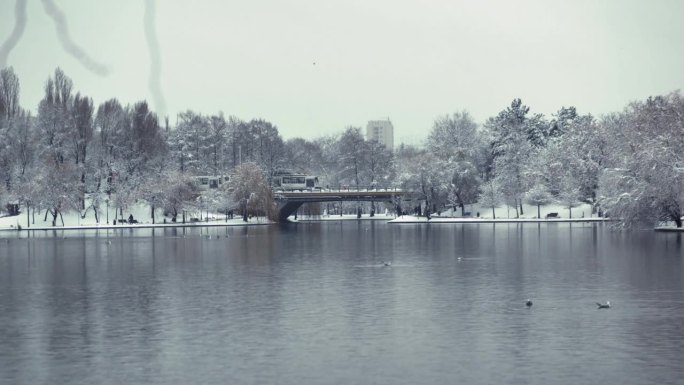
(387, 263)
(603, 306)
(528, 303)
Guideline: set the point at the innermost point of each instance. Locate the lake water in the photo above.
(313, 303)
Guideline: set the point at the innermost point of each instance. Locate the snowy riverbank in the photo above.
(413, 219)
(72, 220)
(141, 213)
(671, 229)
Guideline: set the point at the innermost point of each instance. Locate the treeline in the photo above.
(627, 164)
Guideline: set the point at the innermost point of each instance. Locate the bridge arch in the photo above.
(290, 201)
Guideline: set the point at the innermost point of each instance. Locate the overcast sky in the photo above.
(313, 67)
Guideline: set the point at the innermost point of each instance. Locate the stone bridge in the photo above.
(289, 201)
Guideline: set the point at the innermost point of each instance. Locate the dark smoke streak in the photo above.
(155, 58)
(17, 32)
(72, 48)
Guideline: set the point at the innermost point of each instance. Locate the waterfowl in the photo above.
(603, 306)
(528, 303)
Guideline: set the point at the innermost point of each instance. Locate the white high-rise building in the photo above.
(382, 131)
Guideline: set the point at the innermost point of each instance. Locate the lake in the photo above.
(313, 303)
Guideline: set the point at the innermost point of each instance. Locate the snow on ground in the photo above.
(507, 214)
(529, 211)
(140, 212)
(503, 214)
(414, 219)
(344, 217)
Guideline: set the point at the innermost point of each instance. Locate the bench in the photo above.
(124, 222)
(552, 215)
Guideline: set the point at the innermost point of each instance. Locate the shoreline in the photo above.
(135, 226)
(406, 219)
(414, 220)
(669, 229)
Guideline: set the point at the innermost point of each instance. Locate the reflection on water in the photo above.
(314, 303)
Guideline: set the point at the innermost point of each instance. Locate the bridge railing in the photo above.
(341, 188)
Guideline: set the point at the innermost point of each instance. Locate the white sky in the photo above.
(408, 60)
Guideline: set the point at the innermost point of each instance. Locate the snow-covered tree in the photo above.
(302, 156)
(644, 180)
(269, 148)
(515, 136)
(380, 167)
(380, 164)
(250, 188)
(458, 144)
(217, 144)
(569, 195)
(580, 151)
(154, 189)
(9, 93)
(12, 121)
(421, 174)
(57, 190)
(81, 117)
(538, 195)
(352, 156)
(490, 196)
(189, 143)
(53, 117)
(24, 143)
(509, 171)
(327, 166)
(181, 195)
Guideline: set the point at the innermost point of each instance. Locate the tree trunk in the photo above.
(28, 217)
(152, 214)
(538, 211)
(521, 207)
(462, 208)
(570, 208)
(493, 214)
(677, 219)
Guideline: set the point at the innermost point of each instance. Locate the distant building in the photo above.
(382, 131)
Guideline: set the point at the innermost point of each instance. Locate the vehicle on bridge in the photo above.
(206, 182)
(286, 181)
